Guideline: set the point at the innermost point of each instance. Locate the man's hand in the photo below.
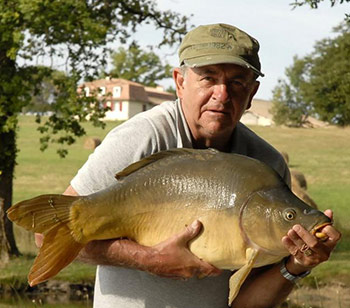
(298, 240)
(173, 259)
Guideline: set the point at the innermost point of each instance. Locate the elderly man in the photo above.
(215, 83)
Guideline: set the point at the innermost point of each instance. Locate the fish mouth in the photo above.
(316, 231)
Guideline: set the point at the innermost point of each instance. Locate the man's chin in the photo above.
(219, 130)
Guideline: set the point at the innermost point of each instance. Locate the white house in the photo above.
(258, 113)
(125, 98)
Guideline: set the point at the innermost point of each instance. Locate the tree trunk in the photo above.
(10, 104)
(4, 244)
(7, 163)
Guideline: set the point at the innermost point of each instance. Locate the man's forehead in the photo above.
(228, 68)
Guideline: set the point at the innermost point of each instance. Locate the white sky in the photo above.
(281, 31)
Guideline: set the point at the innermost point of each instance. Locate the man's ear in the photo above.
(179, 81)
(255, 89)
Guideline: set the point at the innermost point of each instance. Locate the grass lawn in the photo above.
(322, 154)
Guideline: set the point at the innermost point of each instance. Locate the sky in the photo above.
(281, 31)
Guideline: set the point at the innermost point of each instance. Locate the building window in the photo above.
(87, 91)
(101, 91)
(110, 105)
(117, 91)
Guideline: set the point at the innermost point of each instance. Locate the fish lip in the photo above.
(319, 227)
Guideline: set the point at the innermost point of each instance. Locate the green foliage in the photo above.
(318, 84)
(44, 96)
(69, 111)
(137, 65)
(171, 89)
(315, 3)
(288, 107)
(328, 88)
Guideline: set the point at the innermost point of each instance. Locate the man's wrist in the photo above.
(295, 267)
(291, 276)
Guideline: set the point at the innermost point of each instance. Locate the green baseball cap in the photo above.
(220, 43)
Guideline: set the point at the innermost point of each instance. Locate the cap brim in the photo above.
(219, 59)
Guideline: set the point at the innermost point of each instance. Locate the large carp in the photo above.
(244, 205)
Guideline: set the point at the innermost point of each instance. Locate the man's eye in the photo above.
(237, 83)
(208, 78)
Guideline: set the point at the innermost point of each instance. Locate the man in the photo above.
(215, 84)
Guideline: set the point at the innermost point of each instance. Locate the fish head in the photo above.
(267, 215)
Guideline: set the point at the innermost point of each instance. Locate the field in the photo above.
(322, 154)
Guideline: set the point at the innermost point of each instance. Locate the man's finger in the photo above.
(190, 232)
(329, 213)
(305, 237)
(290, 246)
(333, 234)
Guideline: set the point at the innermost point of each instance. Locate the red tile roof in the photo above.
(130, 90)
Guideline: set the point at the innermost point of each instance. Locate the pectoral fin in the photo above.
(239, 277)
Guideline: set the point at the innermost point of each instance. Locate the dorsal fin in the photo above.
(157, 156)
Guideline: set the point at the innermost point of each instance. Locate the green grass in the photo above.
(15, 272)
(45, 172)
(322, 154)
(13, 276)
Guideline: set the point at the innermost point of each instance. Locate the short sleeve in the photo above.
(123, 145)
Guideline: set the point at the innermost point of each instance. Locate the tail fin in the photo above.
(41, 213)
(49, 215)
(58, 250)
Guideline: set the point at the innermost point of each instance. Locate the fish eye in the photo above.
(289, 214)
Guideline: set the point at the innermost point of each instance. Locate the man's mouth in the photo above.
(218, 111)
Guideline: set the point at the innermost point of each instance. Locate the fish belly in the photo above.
(147, 223)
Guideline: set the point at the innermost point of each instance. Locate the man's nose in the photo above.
(221, 92)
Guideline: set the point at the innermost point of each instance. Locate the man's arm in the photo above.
(170, 258)
(266, 287)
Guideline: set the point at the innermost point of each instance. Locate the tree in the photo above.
(137, 65)
(288, 107)
(76, 31)
(315, 3)
(42, 100)
(321, 80)
(328, 88)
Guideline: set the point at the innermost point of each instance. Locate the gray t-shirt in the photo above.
(161, 128)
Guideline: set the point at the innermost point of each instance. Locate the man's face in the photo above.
(214, 97)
